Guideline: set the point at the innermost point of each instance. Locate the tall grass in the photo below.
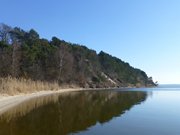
(13, 86)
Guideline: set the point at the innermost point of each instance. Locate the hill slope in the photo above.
(24, 55)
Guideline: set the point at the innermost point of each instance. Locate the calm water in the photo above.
(154, 111)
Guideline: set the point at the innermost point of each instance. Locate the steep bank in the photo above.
(23, 54)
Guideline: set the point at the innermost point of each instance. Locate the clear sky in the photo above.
(145, 33)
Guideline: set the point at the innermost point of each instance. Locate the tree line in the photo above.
(23, 54)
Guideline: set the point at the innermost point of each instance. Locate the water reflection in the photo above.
(67, 113)
(25, 107)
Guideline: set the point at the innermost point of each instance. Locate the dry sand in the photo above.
(7, 102)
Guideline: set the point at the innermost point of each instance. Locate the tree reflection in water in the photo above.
(68, 112)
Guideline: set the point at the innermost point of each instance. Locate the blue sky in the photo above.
(145, 33)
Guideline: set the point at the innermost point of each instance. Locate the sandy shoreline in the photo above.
(7, 102)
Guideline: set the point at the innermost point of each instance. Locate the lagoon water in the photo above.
(142, 111)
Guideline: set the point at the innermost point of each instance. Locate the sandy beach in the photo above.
(7, 102)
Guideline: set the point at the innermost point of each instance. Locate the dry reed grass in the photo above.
(12, 86)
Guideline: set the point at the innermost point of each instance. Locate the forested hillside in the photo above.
(23, 54)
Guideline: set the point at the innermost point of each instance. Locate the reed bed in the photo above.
(12, 86)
